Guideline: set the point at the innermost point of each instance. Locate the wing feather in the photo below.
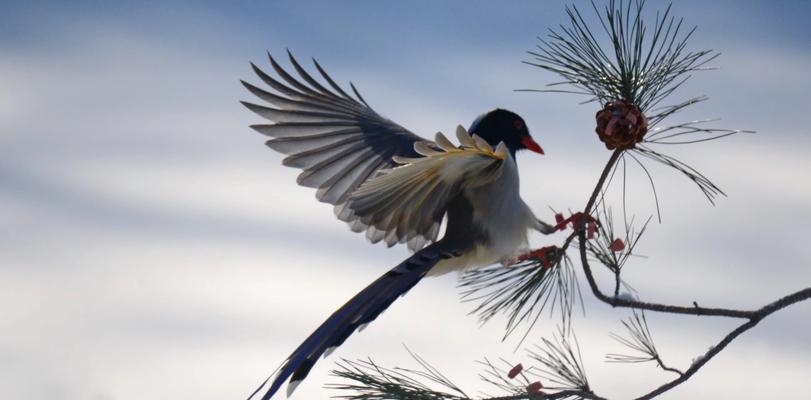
(443, 142)
(338, 141)
(302, 130)
(293, 116)
(320, 173)
(339, 184)
(287, 145)
(329, 80)
(409, 201)
(313, 159)
(306, 76)
(287, 103)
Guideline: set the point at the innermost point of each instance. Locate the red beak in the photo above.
(531, 145)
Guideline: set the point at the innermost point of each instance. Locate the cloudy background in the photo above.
(152, 248)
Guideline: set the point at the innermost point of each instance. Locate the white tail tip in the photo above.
(291, 387)
(329, 351)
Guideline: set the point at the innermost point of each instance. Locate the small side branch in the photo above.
(753, 316)
(640, 343)
(758, 316)
(621, 302)
(641, 305)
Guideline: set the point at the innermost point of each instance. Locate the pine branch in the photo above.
(524, 290)
(640, 66)
(369, 381)
(753, 316)
(611, 250)
(758, 316)
(366, 380)
(640, 342)
(563, 362)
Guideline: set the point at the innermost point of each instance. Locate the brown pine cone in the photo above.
(621, 125)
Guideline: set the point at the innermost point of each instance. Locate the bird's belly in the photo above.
(505, 220)
(500, 249)
(507, 237)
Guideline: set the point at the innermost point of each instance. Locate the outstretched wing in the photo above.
(338, 141)
(407, 201)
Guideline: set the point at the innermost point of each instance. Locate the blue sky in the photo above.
(152, 247)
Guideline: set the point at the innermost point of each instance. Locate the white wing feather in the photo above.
(406, 201)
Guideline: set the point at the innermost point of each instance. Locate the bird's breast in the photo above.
(503, 215)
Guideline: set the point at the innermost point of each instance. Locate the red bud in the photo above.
(515, 371)
(592, 228)
(617, 245)
(535, 387)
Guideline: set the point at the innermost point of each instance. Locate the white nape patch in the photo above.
(361, 327)
(291, 387)
(329, 351)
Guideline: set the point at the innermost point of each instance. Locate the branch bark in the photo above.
(758, 316)
(753, 316)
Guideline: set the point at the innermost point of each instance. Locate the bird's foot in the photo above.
(547, 256)
(579, 221)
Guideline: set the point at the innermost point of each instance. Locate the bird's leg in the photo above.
(548, 255)
(545, 228)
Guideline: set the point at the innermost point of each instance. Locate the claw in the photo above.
(579, 222)
(545, 255)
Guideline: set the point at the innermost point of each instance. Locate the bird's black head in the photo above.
(505, 126)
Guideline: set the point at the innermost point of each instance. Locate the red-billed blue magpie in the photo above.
(398, 188)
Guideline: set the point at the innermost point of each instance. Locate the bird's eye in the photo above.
(519, 125)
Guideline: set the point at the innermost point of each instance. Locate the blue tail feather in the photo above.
(363, 308)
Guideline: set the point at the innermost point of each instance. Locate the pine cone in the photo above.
(621, 125)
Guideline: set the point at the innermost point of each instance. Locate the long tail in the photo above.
(363, 308)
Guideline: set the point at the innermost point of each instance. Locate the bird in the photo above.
(397, 187)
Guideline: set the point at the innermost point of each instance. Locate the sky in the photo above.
(152, 247)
